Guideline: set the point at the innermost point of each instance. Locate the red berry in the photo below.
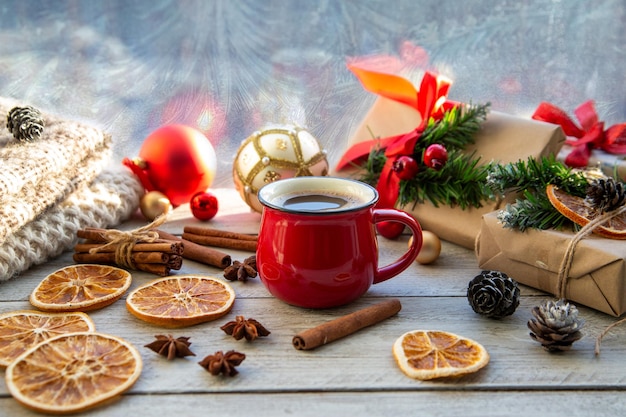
(390, 230)
(405, 167)
(203, 206)
(435, 156)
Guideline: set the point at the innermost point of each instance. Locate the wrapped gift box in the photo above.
(597, 276)
(503, 138)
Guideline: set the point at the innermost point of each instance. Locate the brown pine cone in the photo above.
(555, 325)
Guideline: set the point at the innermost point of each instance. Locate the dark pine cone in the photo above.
(25, 123)
(493, 294)
(606, 194)
(555, 325)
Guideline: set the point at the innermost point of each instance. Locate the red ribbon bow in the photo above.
(589, 135)
(429, 101)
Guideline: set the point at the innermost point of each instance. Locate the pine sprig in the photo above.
(533, 211)
(461, 181)
(531, 177)
(456, 129)
(535, 175)
(373, 166)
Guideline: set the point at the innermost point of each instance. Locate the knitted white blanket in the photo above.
(36, 175)
(55, 185)
(106, 202)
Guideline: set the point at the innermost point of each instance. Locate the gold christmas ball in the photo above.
(431, 248)
(153, 204)
(276, 153)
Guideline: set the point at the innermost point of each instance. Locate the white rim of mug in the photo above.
(265, 201)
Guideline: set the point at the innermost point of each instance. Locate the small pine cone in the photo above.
(556, 325)
(606, 194)
(25, 123)
(493, 294)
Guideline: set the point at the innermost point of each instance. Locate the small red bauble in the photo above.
(435, 156)
(203, 206)
(405, 167)
(390, 230)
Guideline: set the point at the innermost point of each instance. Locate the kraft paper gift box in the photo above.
(597, 277)
(503, 138)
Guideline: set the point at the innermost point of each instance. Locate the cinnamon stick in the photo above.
(136, 257)
(208, 231)
(162, 246)
(222, 242)
(345, 325)
(157, 269)
(199, 253)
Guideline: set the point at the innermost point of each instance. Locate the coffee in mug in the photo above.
(317, 201)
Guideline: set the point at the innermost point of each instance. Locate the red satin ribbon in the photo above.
(589, 135)
(429, 101)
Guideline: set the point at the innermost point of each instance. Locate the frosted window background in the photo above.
(229, 67)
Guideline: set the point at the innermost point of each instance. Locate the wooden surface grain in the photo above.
(355, 375)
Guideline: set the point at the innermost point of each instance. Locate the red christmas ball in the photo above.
(203, 206)
(390, 230)
(178, 161)
(435, 156)
(405, 167)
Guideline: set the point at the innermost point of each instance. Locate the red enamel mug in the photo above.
(317, 244)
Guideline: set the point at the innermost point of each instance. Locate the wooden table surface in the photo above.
(356, 375)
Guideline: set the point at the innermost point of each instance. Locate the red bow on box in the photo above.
(430, 101)
(589, 135)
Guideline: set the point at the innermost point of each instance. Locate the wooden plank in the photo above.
(404, 403)
(363, 361)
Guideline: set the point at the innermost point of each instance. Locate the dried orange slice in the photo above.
(73, 372)
(580, 212)
(22, 329)
(178, 301)
(80, 288)
(425, 354)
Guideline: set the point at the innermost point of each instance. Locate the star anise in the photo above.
(170, 347)
(241, 270)
(223, 363)
(248, 328)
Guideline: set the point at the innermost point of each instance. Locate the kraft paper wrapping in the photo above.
(503, 138)
(597, 277)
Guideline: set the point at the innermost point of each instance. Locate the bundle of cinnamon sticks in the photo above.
(158, 257)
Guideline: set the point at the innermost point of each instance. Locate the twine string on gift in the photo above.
(568, 259)
(124, 241)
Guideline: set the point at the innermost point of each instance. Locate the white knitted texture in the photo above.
(36, 175)
(110, 199)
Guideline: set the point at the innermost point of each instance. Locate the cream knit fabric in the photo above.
(106, 202)
(53, 186)
(35, 175)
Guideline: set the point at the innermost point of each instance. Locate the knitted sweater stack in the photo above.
(53, 186)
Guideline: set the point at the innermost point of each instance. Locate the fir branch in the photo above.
(535, 175)
(456, 129)
(533, 211)
(461, 182)
(374, 166)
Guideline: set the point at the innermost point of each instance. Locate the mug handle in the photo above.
(406, 260)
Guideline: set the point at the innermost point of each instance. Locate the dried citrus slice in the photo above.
(425, 354)
(22, 329)
(580, 212)
(178, 301)
(73, 372)
(80, 288)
